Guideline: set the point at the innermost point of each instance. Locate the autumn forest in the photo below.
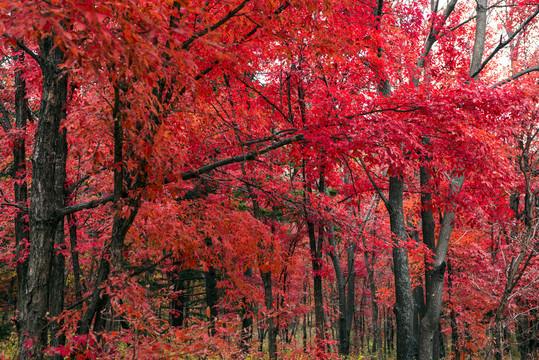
(269, 179)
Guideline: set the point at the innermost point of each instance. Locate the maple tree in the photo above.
(179, 174)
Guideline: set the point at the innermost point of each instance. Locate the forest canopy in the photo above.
(254, 179)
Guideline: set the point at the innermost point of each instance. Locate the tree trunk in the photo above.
(176, 313)
(9, 298)
(270, 321)
(404, 304)
(369, 264)
(305, 319)
(315, 243)
(351, 291)
(341, 290)
(120, 225)
(523, 337)
(34, 302)
(246, 320)
(212, 294)
(434, 275)
(72, 224)
(22, 233)
(57, 282)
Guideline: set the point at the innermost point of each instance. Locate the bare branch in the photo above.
(27, 50)
(396, 109)
(77, 184)
(502, 44)
(191, 174)
(85, 205)
(187, 43)
(378, 190)
(433, 36)
(516, 76)
(18, 206)
(473, 17)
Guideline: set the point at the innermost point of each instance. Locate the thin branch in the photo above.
(77, 184)
(516, 76)
(378, 190)
(263, 97)
(83, 206)
(473, 17)
(200, 75)
(78, 302)
(27, 50)
(502, 44)
(248, 35)
(18, 206)
(187, 43)
(395, 109)
(8, 170)
(142, 269)
(191, 174)
(279, 10)
(434, 36)
(268, 138)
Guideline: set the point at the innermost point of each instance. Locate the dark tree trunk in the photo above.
(34, 302)
(404, 304)
(351, 291)
(452, 316)
(315, 243)
(9, 298)
(305, 320)
(177, 301)
(120, 225)
(96, 300)
(212, 295)
(270, 320)
(72, 224)
(57, 282)
(369, 264)
(523, 330)
(22, 233)
(246, 322)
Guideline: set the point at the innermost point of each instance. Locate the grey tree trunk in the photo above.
(404, 303)
(434, 277)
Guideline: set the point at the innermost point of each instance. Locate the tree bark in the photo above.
(377, 341)
(404, 303)
(341, 290)
(120, 225)
(246, 320)
(212, 294)
(22, 233)
(270, 320)
(57, 282)
(315, 243)
(34, 302)
(351, 291)
(72, 224)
